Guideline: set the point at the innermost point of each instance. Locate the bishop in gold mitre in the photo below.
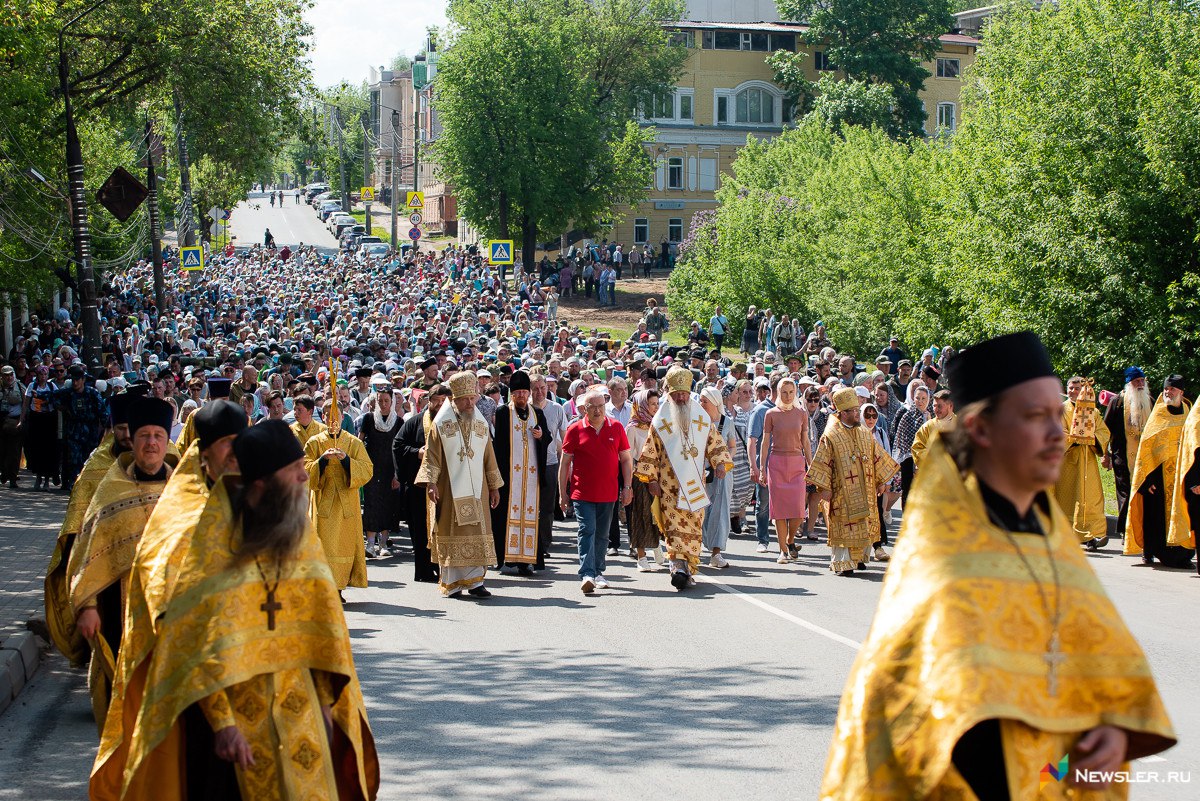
(994, 650)
(247, 688)
(681, 447)
(98, 568)
(462, 482)
(60, 618)
(1078, 490)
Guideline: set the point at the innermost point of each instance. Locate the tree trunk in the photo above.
(528, 240)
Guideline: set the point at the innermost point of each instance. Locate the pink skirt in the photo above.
(785, 481)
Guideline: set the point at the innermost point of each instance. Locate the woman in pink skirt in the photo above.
(786, 451)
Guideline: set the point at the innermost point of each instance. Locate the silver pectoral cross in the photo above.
(1054, 657)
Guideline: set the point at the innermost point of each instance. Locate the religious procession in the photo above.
(247, 456)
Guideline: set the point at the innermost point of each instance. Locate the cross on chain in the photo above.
(1054, 657)
(271, 607)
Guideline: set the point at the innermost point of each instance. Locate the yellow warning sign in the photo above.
(416, 200)
(367, 193)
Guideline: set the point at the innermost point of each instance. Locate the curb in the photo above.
(20, 656)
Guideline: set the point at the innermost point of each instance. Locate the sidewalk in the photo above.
(29, 523)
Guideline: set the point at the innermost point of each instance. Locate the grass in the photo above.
(376, 230)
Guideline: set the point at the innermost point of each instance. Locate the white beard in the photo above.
(679, 414)
(1138, 404)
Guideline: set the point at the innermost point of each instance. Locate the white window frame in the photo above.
(941, 65)
(671, 172)
(770, 90)
(676, 114)
(952, 108)
(674, 223)
(642, 223)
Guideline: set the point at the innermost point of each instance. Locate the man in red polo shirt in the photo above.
(591, 451)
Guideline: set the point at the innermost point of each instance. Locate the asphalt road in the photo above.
(291, 224)
(727, 690)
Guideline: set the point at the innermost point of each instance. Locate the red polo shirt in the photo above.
(596, 454)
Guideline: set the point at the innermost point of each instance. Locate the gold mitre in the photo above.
(463, 384)
(845, 399)
(679, 379)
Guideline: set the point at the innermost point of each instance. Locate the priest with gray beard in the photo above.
(1126, 417)
(462, 482)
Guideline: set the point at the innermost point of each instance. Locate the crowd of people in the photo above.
(289, 413)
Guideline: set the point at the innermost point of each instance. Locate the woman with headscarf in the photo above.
(736, 399)
(720, 490)
(907, 424)
(785, 449)
(643, 531)
(878, 428)
(39, 424)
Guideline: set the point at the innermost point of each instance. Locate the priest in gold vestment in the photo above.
(1185, 510)
(681, 446)
(460, 475)
(850, 471)
(994, 650)
(1154, 476)
(239, 682)
(338, 465)
(98, 569)
(1078, 490)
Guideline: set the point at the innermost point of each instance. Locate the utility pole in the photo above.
(160, 292)
(417, 140)
(337, 119)
(81, 234)
(395, 176)
(366, 170)
(185, 179)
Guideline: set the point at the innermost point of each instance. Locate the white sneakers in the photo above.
(588, 585)
(718, 561)
(882, 555)
(601, 583)
(762, 548)
(644, 565)
(783, 559)
(372, 551)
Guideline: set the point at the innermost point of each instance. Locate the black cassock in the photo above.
(502, 446)
(381, 503)
(406, 457)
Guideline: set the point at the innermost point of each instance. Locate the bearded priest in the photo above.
(1125, 418)
(462, 481)
(247, 688)
(338, 466)
(681, 447)
(1155, 474)
(995, 649)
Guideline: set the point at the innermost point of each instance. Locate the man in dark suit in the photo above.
(516, 523)
(408, 449)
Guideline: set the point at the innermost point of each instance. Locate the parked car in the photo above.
(327, 208)
(369, 240)
(340, 224)
(350, 236)
(316, 200)
(312, 190)
(375, 250)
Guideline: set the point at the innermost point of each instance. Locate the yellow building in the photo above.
(727, 93)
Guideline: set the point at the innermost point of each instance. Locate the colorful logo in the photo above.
(1050, 773)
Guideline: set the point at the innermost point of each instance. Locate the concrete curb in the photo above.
(20, 656)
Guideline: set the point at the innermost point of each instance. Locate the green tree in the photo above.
(879, 42)
(536, 98)
(851, 102)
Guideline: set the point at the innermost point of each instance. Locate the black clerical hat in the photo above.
(218, 419)
(265, 448)
(986, 369)
(219, 388)
(519, 380)
(144, 412)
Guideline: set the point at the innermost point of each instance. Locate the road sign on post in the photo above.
(416, 200)
(500, 251)
(414, 234)
(191, 259)
(367, 193)
(415, 218)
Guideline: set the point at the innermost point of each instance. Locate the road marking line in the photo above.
(799, 621)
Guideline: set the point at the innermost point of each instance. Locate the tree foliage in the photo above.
(878, 42)
(1067, 202)
(535, 99)
(237, 68)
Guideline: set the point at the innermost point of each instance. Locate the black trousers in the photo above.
(1122, 479)
(416, 513)
(719, 341)
(10, 449)
(906, 479)
(547, 503)
(614, 526)
(883, 529)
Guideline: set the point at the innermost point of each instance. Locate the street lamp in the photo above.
(82, 236)
(395, 169)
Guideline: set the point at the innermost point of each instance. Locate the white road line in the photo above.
(799, 621)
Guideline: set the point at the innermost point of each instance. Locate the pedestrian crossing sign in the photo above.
(367, 193)
(416, 200)
(500, 251)
(192, 258)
